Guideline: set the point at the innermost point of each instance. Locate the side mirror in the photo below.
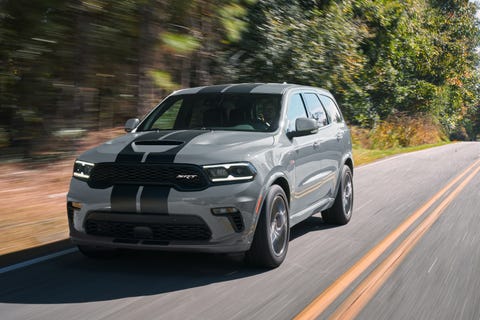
(131, 124)
(303, 127)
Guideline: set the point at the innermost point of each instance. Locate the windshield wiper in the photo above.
(201, 128)
(152, 129)
(194, 128)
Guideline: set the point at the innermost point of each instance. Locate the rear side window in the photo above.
(295, 110)
(334, 114)
(316, 109)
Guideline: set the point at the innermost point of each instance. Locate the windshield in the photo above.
(238, 112)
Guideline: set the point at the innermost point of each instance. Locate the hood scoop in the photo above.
(158, 143)
(155, 145)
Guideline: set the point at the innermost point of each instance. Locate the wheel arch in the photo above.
(349, 163)
(277, 178)
(283, 183)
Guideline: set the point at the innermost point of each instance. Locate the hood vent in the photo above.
(158, 143)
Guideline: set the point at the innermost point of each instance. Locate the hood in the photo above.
(182, 146)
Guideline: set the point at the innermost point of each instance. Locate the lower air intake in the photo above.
(147, 227)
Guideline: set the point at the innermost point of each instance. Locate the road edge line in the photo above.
(37, 260)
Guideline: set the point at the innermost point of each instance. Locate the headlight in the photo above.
(82, 169)
(230, 172)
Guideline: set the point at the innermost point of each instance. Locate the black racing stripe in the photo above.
(154, 200)
(123, 198)
(127, 154)
(214, 89)
(169, 155)
(242, 88)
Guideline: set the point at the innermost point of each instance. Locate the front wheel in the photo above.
(341, 211)
(270, 242)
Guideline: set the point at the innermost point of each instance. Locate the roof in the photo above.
(271, 88)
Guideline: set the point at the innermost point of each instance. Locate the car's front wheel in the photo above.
(341, 211)
(270, 242)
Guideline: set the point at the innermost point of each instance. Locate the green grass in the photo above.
(364, 156)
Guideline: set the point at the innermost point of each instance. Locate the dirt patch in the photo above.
(33, 206)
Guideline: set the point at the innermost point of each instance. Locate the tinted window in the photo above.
(238, 112)
(315, 107)
(334, 114)
(295, 110)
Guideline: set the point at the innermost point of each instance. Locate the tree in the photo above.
(301, 43)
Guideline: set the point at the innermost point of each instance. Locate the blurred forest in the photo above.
(72, 66)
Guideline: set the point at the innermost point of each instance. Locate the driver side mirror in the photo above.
(131, 124)
(303, 127)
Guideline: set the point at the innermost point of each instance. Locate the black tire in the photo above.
(270, 242)
(97, 252)
(341, 211)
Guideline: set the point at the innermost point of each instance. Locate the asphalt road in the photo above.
(437, 279)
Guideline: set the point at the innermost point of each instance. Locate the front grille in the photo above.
(159, 231)
(179, 176)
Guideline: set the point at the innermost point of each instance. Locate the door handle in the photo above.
(339, 135)
(316, 144)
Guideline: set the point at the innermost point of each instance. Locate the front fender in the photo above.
(274, 175)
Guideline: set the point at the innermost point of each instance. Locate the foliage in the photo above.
(100, 61)
(182, 44)
(163, 80)
(377, 57)
(92, 64)
(400, 130)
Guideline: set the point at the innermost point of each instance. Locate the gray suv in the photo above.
(225, 168)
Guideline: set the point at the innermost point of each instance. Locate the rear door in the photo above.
(340, 135)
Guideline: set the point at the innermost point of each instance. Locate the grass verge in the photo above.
(364, 156)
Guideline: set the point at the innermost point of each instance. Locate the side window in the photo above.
(316, 109)
(296, 109)
(333, 113)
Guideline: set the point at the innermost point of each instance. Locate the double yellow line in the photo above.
(365, 291)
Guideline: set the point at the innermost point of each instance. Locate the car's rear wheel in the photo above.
(97, 252)
(341, 211)
(270, 242)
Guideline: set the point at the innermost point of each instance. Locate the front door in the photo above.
(307, 165)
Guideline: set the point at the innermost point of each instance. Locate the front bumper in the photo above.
(189, 224)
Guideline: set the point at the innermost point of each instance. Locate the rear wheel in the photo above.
(97, 252)
(341, 211)
(270, 242)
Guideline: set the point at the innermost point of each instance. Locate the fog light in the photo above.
(77, 205)
(227, 210)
